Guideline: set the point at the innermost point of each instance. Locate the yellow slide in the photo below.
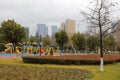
(17, 51)
(8, 49)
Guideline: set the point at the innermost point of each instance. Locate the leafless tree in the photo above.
(100, 20)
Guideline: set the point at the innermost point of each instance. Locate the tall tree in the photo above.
(79, 41)
(46, 40)
(12, 31)
(61, 38)
(99, 18)
(34, 39)
(92, 43)
(109, 43)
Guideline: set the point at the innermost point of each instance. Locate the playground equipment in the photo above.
(45, 50)
(10, 48)
(59, 51)
(17, 50)
(50, 51)
(29, 49)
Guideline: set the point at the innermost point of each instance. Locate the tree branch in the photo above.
(113, 31)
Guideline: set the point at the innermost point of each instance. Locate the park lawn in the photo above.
(111, 72)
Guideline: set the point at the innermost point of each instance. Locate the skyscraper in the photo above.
(42, 30)
(46, 30)
(69, 27)
(63, 26)
(54, 29)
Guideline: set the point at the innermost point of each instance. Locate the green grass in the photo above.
(111, 72)
(12, 72)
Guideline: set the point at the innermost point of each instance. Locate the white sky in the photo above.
(51, 12)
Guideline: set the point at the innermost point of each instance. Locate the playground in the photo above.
(28, 50)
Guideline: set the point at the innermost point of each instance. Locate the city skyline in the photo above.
(28, 13)
(68, 24)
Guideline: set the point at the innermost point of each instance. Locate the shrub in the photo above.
(11, 72)
(72, 59)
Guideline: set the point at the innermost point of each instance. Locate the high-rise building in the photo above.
(42, 30)
(63, 26)
(46, 30)
(69, 27)
(59, 29)
(54, 29)
(26, 31)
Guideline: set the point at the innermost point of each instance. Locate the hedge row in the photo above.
(41, 60)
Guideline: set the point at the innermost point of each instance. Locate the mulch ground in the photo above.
(81, 57)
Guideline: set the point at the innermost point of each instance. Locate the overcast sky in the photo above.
(51, 12)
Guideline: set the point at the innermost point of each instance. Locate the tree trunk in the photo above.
(14, 50)
(73, 47)
(101, 39)
(101, 53)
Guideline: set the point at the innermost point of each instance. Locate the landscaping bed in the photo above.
(93, 59)
(11, 72)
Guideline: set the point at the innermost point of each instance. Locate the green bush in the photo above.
(41, 60)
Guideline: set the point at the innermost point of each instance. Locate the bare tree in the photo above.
(100, 20)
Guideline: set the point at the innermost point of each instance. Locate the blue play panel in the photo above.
(7, 54)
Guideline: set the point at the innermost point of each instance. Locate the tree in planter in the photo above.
(79, 41)
(100, 20)
(12, 31)
(61, 38)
